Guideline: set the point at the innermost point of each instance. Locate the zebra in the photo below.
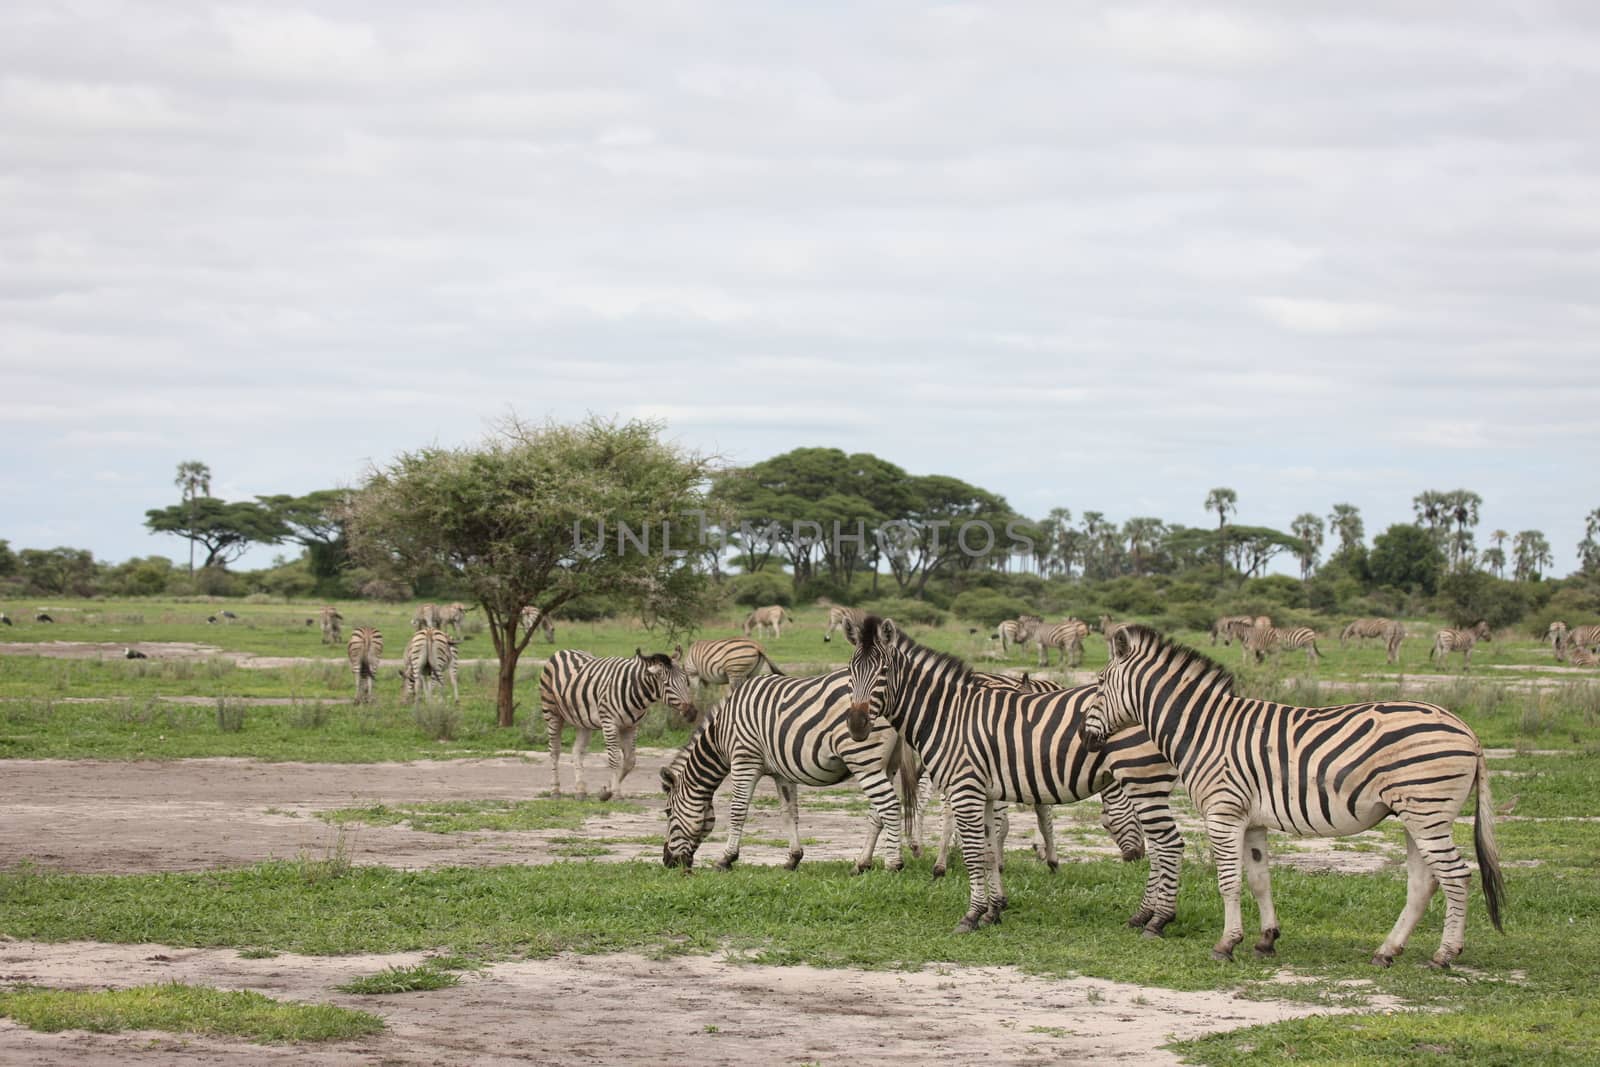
(454, 616)
(43, 616)
(330, 618)
(609, 694)
(1109, 626)
(365, 652)
(730, 661)
(1579, 656)
(6, 619)
(1263, 639)
(1067, 636)
(428, 617)
(533, 618)
(1229, 627)
(1390, 630)
(1584, 637)
(1018, 631)
(774, 615)
(1253, 766)
(1557, 636)
(1448, 641)
(983, 744)
(429, 657)
(793, 730)
(837, 615)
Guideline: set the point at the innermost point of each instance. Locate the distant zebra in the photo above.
(1067, 636)
(1448, 641)
(430, 656)
(1557, 636)
(330, 618)
(1252, 766)
(985, 745)
(454, 616)
(837, 614)
(1109, 626)
(727, 661)
(43, 616)
(773, 615)
(533, 618)
(1229, 627)
(133, 653)
(1579, 656)
(1390, 630)
(6, 619)
(1263, 639)
(1586, 637)
(611, 695)
(428, 617)
(365, 652)
(1018, 631)
(792, 729)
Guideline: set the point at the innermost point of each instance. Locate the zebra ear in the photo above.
(1121, 644)
(889, 631)
(677, 653)
(638, 653)
(667, 780)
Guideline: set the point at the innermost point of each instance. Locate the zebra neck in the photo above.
(922, 683)
(1176, 717)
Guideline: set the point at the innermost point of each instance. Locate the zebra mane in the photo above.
(871, 635)
(1180, 658)
(660, 659)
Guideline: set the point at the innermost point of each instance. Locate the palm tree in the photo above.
(1461, 507)
(194, 478)
(1496, 556)
(1141, 533)
(1223, 501)
(1094, 525)
(1308, 528)
(1432, 508)
(1532, 553)
(1345, 520)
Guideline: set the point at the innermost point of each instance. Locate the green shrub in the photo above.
(988, 607)
(761, 588)
(906, 611)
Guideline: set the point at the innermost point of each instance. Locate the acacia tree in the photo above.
(226, 529)
(315, 521)
(534, 516)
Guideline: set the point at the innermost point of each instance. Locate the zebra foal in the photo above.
(1253, 766)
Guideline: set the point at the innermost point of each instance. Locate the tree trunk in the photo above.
(506, 695)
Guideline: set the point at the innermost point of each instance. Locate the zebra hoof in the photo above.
(916, 852)
(603, 796)
(1000, 905)
(1157, 926)
(1436, 964)
(1380, 960)
(1222, 955)
(1151, 933)
(1267, 945)
(966, 925)
(938, 870)
(897, 866)
(861, 868)
(1054, 865)
(990, 917)
(1265, 952)
(794, 859)
(727, 862)
(1141, 918)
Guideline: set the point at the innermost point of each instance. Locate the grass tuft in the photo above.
(183, 1009)
(421, 978)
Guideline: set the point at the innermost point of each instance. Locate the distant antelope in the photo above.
(773, 615)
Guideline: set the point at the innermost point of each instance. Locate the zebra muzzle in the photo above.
(859, 721)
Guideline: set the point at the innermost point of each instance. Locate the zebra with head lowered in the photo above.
(773, 615)
(1390, 630)
(1263, 639)
(454, 616)
(1462, 641)
(838, 614)
(330, 619)
(1253, 766)
(430, 657)
(1066, 636)
(727, 661)
(1229, 627)
(611, 695)
(1017, 631)
(793, 730)
(428, 617)
(533, 618)
(1556, 636)
(1582, 637)
(365, 652)
(985, 745)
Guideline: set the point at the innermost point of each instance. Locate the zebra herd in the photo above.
(1157, 714)
(430, 656)
(1575, 645)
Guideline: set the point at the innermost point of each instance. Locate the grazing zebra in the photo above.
(428, 617)
(1263, 639)
(985, 745)
(454, 616)
(1390, 630)
(1229, 627)
(365, 652)
(773, 615)
(729, 661)
(792, 729)
(837, 614)
(330, 619)
(1018, 631)
(1448, 641)
(1067, 636)
(1585, 637)
(609, 694)
(533, 618)
(1557, 636)
(430, 656)
(1253, 766)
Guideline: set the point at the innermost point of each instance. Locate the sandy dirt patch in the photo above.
(630, 1010)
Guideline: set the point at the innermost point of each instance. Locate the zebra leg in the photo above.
(580, 748)
(552, 730)
(611, 729)
(947, 831)
(1420, 884)
(1001, 821)
(919, 816)
(1255, 872)
(1445, 864)
(455, 690)
(972, 821)
(744, 775)
(1045, 848)
(1077, 655)
(625, 738)
(1227, 841)
(789, 793)
(1159, 905)
(996, 816)
(885, 817)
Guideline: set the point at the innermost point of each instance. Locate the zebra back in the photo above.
(365, 651)
(580, 688)
(719, 661)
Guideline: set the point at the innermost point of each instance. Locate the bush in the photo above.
(988, 607)
(1470, 595)
(906, 611)
(761, 588)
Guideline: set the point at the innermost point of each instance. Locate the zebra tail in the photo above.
(771, 666)
(1494, 886)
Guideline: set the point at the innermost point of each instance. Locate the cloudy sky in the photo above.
(1101, 257)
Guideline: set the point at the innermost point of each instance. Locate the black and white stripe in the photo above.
(1253, 766)
(726, 661)
(430, 657)
(428, 617)
(1462, 641)
(985, 745)
(1227, 628)
(774, 616)
(611, 695)
(365, 652)
(793, 730)
(1556, 635)
(1584, 637)
(838, 614)
(1389, 630)
(454, 616)
(1017, 631)
(534, 619)
(1066, 636)
(1259, 640)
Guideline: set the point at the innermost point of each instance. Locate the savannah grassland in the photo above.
(1522, 997)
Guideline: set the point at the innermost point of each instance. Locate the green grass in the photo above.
(422, 978)
(183, 1009)
(447, 817)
